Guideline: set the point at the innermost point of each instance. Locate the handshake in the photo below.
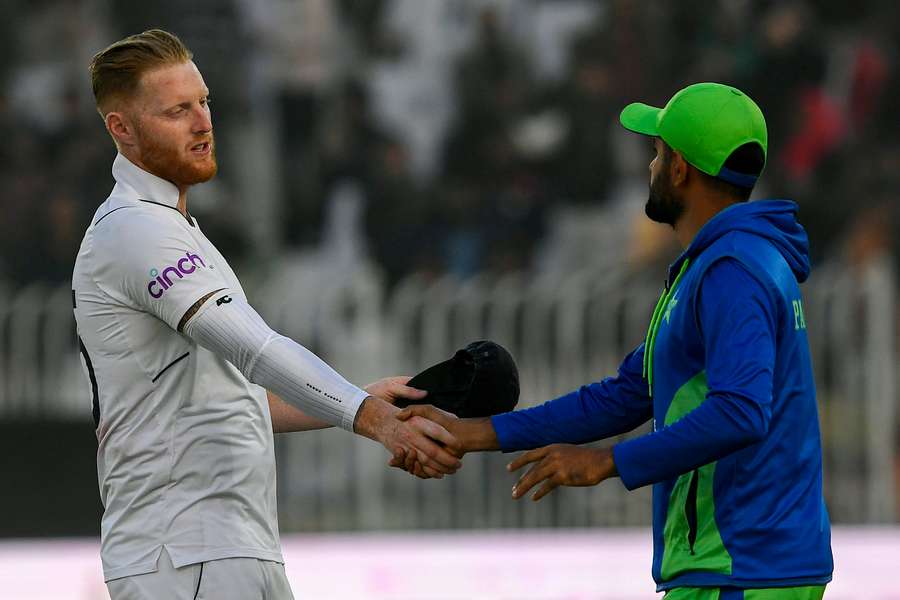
(445, 411)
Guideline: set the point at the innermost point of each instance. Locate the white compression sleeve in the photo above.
(236, 332)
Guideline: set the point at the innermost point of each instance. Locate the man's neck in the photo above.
(697, 214)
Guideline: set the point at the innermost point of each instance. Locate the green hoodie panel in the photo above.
(691, 536)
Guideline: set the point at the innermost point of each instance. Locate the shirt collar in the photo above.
(147, 185)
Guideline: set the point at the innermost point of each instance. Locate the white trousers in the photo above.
(224, 579)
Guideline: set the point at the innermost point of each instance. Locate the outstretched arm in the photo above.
(287, 418)
(235, 332)
(610, 407)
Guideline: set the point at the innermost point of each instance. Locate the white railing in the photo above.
(563, 332)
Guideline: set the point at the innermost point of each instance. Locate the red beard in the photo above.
(168, 162)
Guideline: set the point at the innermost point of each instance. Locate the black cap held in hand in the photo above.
(480, 380)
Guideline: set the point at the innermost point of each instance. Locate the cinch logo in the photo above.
(163, 281)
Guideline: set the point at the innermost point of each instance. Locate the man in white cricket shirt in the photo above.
(188, 382)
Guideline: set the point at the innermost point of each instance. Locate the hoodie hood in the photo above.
(774, 220)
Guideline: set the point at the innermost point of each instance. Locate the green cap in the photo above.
(706, 122)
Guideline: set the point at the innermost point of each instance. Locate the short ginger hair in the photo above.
(116, 70)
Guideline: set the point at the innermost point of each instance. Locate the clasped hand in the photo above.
(433, 449)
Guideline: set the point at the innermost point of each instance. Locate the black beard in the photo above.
(663, 206)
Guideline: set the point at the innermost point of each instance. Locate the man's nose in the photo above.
(202, 120)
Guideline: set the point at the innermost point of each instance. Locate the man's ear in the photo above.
(678, 169)
(120, 128)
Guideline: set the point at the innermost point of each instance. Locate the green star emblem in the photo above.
(669, 307)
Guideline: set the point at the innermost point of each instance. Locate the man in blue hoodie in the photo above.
(725, 374)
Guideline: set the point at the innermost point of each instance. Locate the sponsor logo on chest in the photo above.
(162, 281)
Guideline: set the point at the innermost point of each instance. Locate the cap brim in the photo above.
(640, 118)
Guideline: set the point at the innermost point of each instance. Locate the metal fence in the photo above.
(563, 331)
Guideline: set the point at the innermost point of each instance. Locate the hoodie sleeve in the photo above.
(610, 407)
(737, 320)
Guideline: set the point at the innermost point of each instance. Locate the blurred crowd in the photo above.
(457, 136)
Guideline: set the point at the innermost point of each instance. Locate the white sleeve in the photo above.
(229, 327)
(145, 261)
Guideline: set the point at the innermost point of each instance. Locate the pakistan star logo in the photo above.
(669, 307)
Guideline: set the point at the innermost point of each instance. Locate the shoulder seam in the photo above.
(186, 218)
(97, 222)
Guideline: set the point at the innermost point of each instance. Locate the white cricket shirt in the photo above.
(186, 457)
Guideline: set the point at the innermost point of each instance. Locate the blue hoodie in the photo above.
(735, 454)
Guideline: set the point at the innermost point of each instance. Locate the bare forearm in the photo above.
(475, 434)
(472, 435)
(373, 419)
(286, 418)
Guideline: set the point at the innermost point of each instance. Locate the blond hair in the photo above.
(116, 71)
